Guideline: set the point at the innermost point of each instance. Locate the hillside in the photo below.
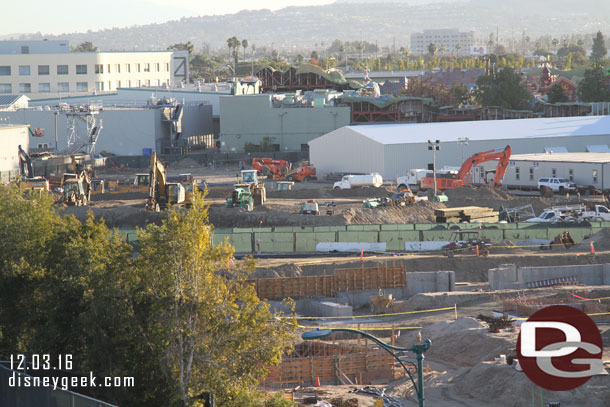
(382, 21)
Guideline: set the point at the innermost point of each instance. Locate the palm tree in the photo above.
(233, 44)
(244, 44)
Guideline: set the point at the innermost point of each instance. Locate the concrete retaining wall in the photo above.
(509, 276)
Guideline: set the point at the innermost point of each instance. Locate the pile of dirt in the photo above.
(601, 242)
(327, 193)
(287, 270)
(119, 217)
(184, 164)
(224, 217)
(420, 212)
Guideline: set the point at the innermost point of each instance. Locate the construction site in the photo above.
(460, 268)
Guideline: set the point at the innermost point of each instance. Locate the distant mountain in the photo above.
(382, 21)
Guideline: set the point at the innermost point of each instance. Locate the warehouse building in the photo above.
(286, 121)
(589, 169)
(392, 149)
(11, 137)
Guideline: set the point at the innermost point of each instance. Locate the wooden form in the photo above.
(328, 285)
(332, 364)
(466, 214)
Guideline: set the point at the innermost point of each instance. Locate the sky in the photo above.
(70, 16)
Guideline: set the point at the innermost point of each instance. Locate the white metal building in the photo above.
(448, 41)
(11, 136)
(585, 169)
(41, 70)
(392, 149)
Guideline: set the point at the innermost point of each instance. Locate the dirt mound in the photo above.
(224, 217)
(287, 270)
(327, 192)
(184, 164)
(420, 212)
(502, 385)
(119, 217)
(601, 242)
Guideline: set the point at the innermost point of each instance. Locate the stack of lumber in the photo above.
(466, 214)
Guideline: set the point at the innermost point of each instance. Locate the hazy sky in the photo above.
(68, 16)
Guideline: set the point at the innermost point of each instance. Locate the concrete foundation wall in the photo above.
(509, 276)
(323, 308)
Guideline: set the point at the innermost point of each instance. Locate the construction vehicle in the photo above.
(271, 168)
(362, 181)
(310, 208)
(249, 192)
(98, 186)
(461, 178)
(76, 189)
(301, 174)
(190, 187)
(162, 194)
(28, 182)
(467, 240)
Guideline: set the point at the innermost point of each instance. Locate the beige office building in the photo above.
(46, 69)
(447, 41)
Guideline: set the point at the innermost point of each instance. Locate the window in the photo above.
(128, 67)
(137, 67)
(127, 84)
(136, 83)
(167, 67)
(43, 69)
(517, 173)
(155, 82)
(109, 85)
(5, 70)
(108, 68)
(82, 87)
(25, 49)
(81, 69)
(146, 67)
(554, 172)
(6, 88)
(603, 209)
(147, 82)
(99, 68)
(62, 69)
(63, 87)
(532, 174)
(24, 70)
(571, 175)
(117, 84)
(25, 88)
(157, 67)
(595, 176)
(99, 86)
(43, 145)
(117, 68)
(44, 87)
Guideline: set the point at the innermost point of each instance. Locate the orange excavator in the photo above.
(271, 168)
(461, 178)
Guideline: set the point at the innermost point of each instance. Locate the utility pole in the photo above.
(434, 146)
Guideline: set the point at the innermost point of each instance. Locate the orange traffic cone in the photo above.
(592, 249)
(477, 251)
(317, 381)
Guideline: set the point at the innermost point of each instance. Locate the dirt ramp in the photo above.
(120, 217)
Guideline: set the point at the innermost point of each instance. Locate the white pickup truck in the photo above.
(597, 213)
(353, 181)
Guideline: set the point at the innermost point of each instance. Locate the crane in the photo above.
(461, 178)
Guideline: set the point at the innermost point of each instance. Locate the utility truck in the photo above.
(362, 181)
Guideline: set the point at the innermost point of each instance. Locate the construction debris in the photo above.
(466, 214)
(380, 393)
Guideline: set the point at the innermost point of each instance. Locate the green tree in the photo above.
(299, 59)
(593, 87)
(85, 46)
(599, 50)
(182, 47)
(502, 88)
(244, 45)
(233, 43)
(219, 334)
(432, 49)
(315, 55)
(556, 94)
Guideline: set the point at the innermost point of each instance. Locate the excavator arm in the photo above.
(502, 156)
(156, 189)
(25, 164)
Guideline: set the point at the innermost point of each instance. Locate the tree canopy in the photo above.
(180, 318)
(599, 50)
(502, 88)
(556, 94)
(593, 87)
(85, 46)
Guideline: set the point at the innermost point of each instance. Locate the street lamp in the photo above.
(395, 351)
(434, 146)
(463, 141)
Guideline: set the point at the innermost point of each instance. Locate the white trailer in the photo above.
(354, 181)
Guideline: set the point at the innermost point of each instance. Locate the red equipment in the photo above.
(271, 167)
(463, 174)
(304, 173)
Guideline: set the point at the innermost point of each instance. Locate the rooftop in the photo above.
(409, 133)
(564, 157)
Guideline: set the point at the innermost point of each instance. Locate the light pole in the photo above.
(463, 141)
(395, 351)
(434, 146)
